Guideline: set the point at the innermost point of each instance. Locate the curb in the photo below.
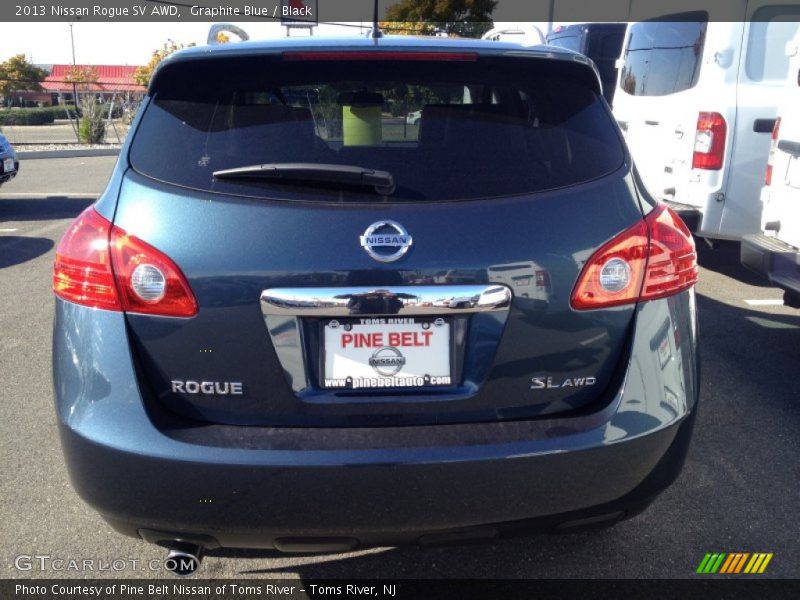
(32, 155)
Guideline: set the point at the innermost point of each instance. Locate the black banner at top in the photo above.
(311, 12)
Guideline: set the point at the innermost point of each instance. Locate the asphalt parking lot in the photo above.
(738, 493)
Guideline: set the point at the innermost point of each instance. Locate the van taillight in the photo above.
(99, 265)
(772, 147)
(652, 259)
(709, 141)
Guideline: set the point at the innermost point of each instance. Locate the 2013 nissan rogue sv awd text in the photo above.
(254, 345)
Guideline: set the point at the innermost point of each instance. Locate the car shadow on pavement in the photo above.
(521, 556)
(724, 259)
(42, 209)
(16, 249)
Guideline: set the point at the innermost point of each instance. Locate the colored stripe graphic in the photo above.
(703, 563)
(728, 564)
(765, 563)
(741, 562)
(733, 563)
(711, 563)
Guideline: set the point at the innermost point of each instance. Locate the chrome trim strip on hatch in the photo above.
(395, 300)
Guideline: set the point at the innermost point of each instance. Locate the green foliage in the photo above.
(60, 111)
(18, 75)
(92, 127)
(26, 116)
(82, 77)
(144, 73)
(397, 109)
(47, 114)
(328, 112)
(463, 18)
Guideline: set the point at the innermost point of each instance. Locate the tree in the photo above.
(465, 18)
(81, 76)
(91, 129)
(18, 75)
(143, 74)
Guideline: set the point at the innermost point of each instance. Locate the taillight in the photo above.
(652, 259)
(148, 281)
(82, 270)
(542, 279)
(100, 265)
(709, 141)
(772, 147)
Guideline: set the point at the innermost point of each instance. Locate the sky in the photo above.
(126, 43)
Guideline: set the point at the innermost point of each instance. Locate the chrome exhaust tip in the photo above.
(183, 559)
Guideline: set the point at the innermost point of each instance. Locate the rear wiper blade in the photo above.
(381, 181)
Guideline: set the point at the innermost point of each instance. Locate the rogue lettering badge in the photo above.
(386, 241)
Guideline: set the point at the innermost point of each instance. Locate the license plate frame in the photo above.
(329, 380)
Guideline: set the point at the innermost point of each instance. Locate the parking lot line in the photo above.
(765, 302)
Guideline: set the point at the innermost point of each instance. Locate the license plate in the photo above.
(793, 172)
(386, 352)
(8, 165)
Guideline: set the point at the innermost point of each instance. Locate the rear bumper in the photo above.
(338, 488)
(777, 261)
(6, 175)
(346, 506)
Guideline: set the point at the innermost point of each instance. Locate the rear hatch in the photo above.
(351, 268)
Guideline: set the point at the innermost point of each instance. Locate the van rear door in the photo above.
(603, 45)
(656, 100)
(782, 196)
(762, 71)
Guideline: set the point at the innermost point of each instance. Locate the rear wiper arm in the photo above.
(381, 181)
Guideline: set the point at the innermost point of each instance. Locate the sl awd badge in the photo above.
(386, 241)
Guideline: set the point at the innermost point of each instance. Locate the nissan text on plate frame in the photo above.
(466, 326)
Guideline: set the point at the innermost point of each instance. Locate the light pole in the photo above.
(74, 73)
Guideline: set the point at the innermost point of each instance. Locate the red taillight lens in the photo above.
(542, 279)
(709, 141)
(100, 265)
(631, 247)
(652, 259)
(672, 261)
(772, 147)
(380, 55)
(174, 297)
(82, 270)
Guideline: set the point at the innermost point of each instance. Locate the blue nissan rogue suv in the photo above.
(261, 341)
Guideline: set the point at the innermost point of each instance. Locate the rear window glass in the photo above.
(605, 46)
(771, 28)
(664, 57)
(570, 42)
(443, 130)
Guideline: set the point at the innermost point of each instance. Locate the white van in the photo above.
(696, 102)
(776, 251)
